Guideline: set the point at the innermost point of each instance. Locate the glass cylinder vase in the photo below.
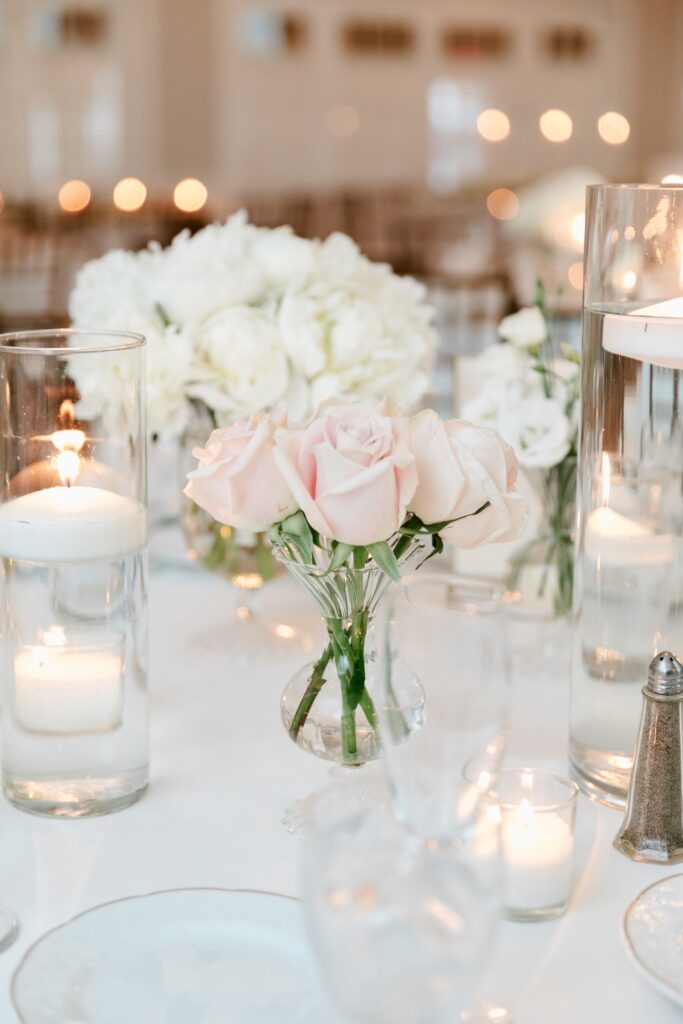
(628, 594)
(73, 586)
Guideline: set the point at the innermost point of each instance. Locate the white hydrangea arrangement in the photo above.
(239, 318)
(529, 393)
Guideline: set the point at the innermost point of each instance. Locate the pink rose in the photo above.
(461, 467)
(351, 470)
(237, 480)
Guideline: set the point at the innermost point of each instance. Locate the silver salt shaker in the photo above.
(653, 826)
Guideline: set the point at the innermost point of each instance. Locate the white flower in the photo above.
(538, 430)
(239, 365)
(115, 293)
(525, 329)
(210, 270)
(286, 259)
(355, 328)
(503, 362)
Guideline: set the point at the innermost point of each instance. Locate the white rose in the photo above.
(239, 365)
(209, 271)
(538, 430)
(525, 329)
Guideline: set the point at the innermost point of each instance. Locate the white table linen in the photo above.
(224, 770)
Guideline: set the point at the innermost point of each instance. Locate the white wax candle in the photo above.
(71, 524)
(537, 847)
(60, 690)
(616, 540)
(653, 334)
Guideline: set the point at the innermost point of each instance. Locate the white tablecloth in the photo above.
(223, 771)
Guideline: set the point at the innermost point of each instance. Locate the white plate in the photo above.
(186, 956)
(653, 934)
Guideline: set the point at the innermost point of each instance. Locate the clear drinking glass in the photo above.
(451, 633)
(628, 602)
(73, 586)
(401, 928)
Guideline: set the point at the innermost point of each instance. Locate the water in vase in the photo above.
(628, 586)
(74, 672)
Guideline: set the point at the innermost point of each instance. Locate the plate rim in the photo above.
(660, 983)
(127, 899)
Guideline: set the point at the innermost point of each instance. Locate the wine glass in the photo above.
(450, 631)
(403, 908)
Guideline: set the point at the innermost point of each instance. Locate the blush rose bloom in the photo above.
(460, 468)
(237, 481)
(351, 470)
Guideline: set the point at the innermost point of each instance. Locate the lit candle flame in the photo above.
(68, 443)
(68, 465)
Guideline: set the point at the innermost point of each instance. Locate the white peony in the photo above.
(239, 365)
(355, 328)
(286, 259)
(538, 430)
(525, 329)
(209, 271)
(116, 293)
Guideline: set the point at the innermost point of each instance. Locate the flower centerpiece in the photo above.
(529, 393)
(239, 318)
(352, 496)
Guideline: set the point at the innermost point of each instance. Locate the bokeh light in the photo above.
(342, 120)
(613, 128)
(556, 125)
(493, 125)
(629, 233)
(74, 196)
(578, 228)
(502, 204)
(629, 280)
(672, 179)
(129, 194)
(575, 275)
(190, 195)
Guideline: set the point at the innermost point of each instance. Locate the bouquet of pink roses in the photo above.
(350, 496)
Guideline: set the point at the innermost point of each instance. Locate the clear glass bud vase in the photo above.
(327, 707)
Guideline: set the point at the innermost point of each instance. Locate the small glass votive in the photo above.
(538, 814)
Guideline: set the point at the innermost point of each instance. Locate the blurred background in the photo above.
(452, 138)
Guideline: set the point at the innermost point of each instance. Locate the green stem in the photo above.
(314, 687)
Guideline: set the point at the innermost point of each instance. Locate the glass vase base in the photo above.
(76, 797)
(9, 928)
(529, 915)
(602, 777)
(355, 786)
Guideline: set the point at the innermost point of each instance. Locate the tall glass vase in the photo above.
(629, 580)
(326, 707)
(73, 571)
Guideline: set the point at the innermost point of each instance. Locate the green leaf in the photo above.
(162, 314)
(339, 557)
(385, 559)
(297, 532)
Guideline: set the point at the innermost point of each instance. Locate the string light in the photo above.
(556, 125)
(493, 125)
(502, 204)
(190, 195)
(74, 196)
(613, 128)
(129, 194)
